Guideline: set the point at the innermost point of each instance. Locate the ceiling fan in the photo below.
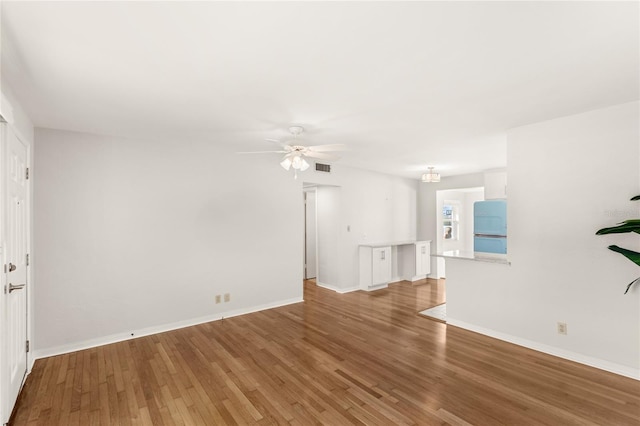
(295, 154)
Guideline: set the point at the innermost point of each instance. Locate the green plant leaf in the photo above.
(633, 256)
(630, 284)
(632, 225)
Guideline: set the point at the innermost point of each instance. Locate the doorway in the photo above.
(454, 213)
(15, 236)
(322, 218)
(310, 234)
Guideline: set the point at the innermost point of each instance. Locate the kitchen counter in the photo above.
(474, 256)
(390, 243)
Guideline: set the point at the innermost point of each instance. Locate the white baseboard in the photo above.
(379, 286)
(337, 289)
(410, 278)
(120, 337)
(347, 290)
(601, 364)
(418, 278)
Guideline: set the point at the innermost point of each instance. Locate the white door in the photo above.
(310, 270)
(381, 265)
(15, 333)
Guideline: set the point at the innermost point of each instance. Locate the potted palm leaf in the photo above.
(631, 225)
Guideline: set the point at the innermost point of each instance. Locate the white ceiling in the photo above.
(404, 85)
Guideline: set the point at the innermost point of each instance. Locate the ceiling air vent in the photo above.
(323, 168)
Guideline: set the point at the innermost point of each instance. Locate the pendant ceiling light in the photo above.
(431, 176)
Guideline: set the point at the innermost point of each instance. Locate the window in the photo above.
(451, 220)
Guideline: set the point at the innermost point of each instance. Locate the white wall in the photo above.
(22, 125)
(470, 198)
(329, 213)
(138, 236)
(373, 207)
(567, 178)
(132, 236)
(11, 62)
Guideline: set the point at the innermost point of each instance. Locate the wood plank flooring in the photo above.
(357, 358)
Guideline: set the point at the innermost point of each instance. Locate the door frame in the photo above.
(5, 409)
(306, 190)
(466, 218)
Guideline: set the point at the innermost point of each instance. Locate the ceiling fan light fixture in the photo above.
(304, 165)
(296, 162)
(295, 154)
(286, 164)
(431, 176)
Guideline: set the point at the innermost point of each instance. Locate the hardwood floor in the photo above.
(357, 358)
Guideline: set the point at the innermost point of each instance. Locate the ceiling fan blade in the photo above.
(321, 155)
(263, 152)
(325, 148)
(277, 142)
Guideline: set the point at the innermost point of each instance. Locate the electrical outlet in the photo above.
(227, 297)
(562, 328)
(217, 299)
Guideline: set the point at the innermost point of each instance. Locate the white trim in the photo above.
(408, 278)
(379, 286)
(6, 109)
(337, 289)
(121, 337)
(313, 189)
(601, 364)
(4, 382)
(30, 245)
(418, 278)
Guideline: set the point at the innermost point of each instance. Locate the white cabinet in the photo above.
(495, 185)
(383, 263)
(423, 258)
(375, 267)
(380, 265)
